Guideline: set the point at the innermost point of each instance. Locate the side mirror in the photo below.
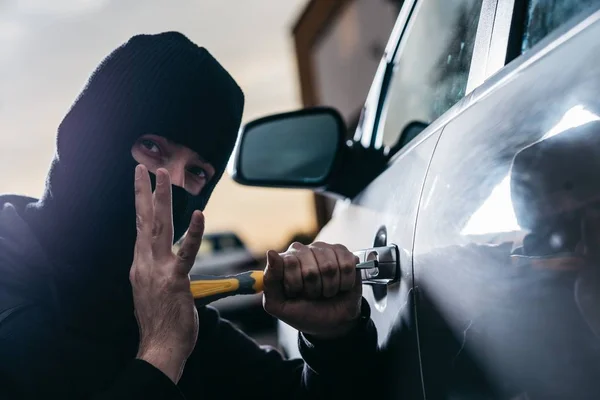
(294, 149)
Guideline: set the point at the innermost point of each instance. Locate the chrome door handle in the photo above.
(379, 265)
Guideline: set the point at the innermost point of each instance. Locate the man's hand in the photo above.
(315, 289)
(164, 305)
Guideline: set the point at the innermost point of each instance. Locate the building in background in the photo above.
(338, 47)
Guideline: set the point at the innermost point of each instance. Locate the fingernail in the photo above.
(272, 255)
(160, 177)
(138, 171)
(196, 218)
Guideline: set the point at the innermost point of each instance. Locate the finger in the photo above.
(143, 211)
(328, 268)
(162, 227)
(357, 286)
(311, 277)
(292, 275)
(347, 262)
(191, 244)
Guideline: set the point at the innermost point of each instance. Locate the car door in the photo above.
(505, 254)
(412, 89)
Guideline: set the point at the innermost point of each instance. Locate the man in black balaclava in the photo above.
(94, 304)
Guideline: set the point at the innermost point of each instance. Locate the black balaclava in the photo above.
(159, 84)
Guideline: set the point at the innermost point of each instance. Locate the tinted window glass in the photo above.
(544, 16)
(431, 71)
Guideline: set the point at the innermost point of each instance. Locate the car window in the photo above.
(544, 16)
(230, 242)
(432, 67)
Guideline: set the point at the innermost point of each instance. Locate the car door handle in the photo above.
(379, 265)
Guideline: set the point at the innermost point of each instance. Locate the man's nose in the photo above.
(177, 174)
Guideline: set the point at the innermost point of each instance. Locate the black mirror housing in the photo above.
(305, 149)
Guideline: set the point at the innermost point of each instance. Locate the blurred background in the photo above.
(285, 54)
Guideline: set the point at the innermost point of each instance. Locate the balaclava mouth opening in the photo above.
(159, 84)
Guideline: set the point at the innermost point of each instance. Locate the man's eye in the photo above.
(150, 146)
(199, 172)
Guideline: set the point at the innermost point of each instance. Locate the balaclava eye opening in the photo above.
(159, 84)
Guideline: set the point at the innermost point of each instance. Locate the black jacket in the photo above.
(45, 353)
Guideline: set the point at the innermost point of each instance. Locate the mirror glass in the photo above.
(294, 149)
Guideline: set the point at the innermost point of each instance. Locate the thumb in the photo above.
(273, 279)
(273, 297)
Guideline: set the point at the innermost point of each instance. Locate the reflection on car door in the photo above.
(506, 255)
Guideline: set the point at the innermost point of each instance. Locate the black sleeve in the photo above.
(340, 368)
(228, 364)
(141, 380)
(40, 359)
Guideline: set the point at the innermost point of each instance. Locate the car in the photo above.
(222, 253)
(473, 183)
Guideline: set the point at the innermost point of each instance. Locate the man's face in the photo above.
(186, 168)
